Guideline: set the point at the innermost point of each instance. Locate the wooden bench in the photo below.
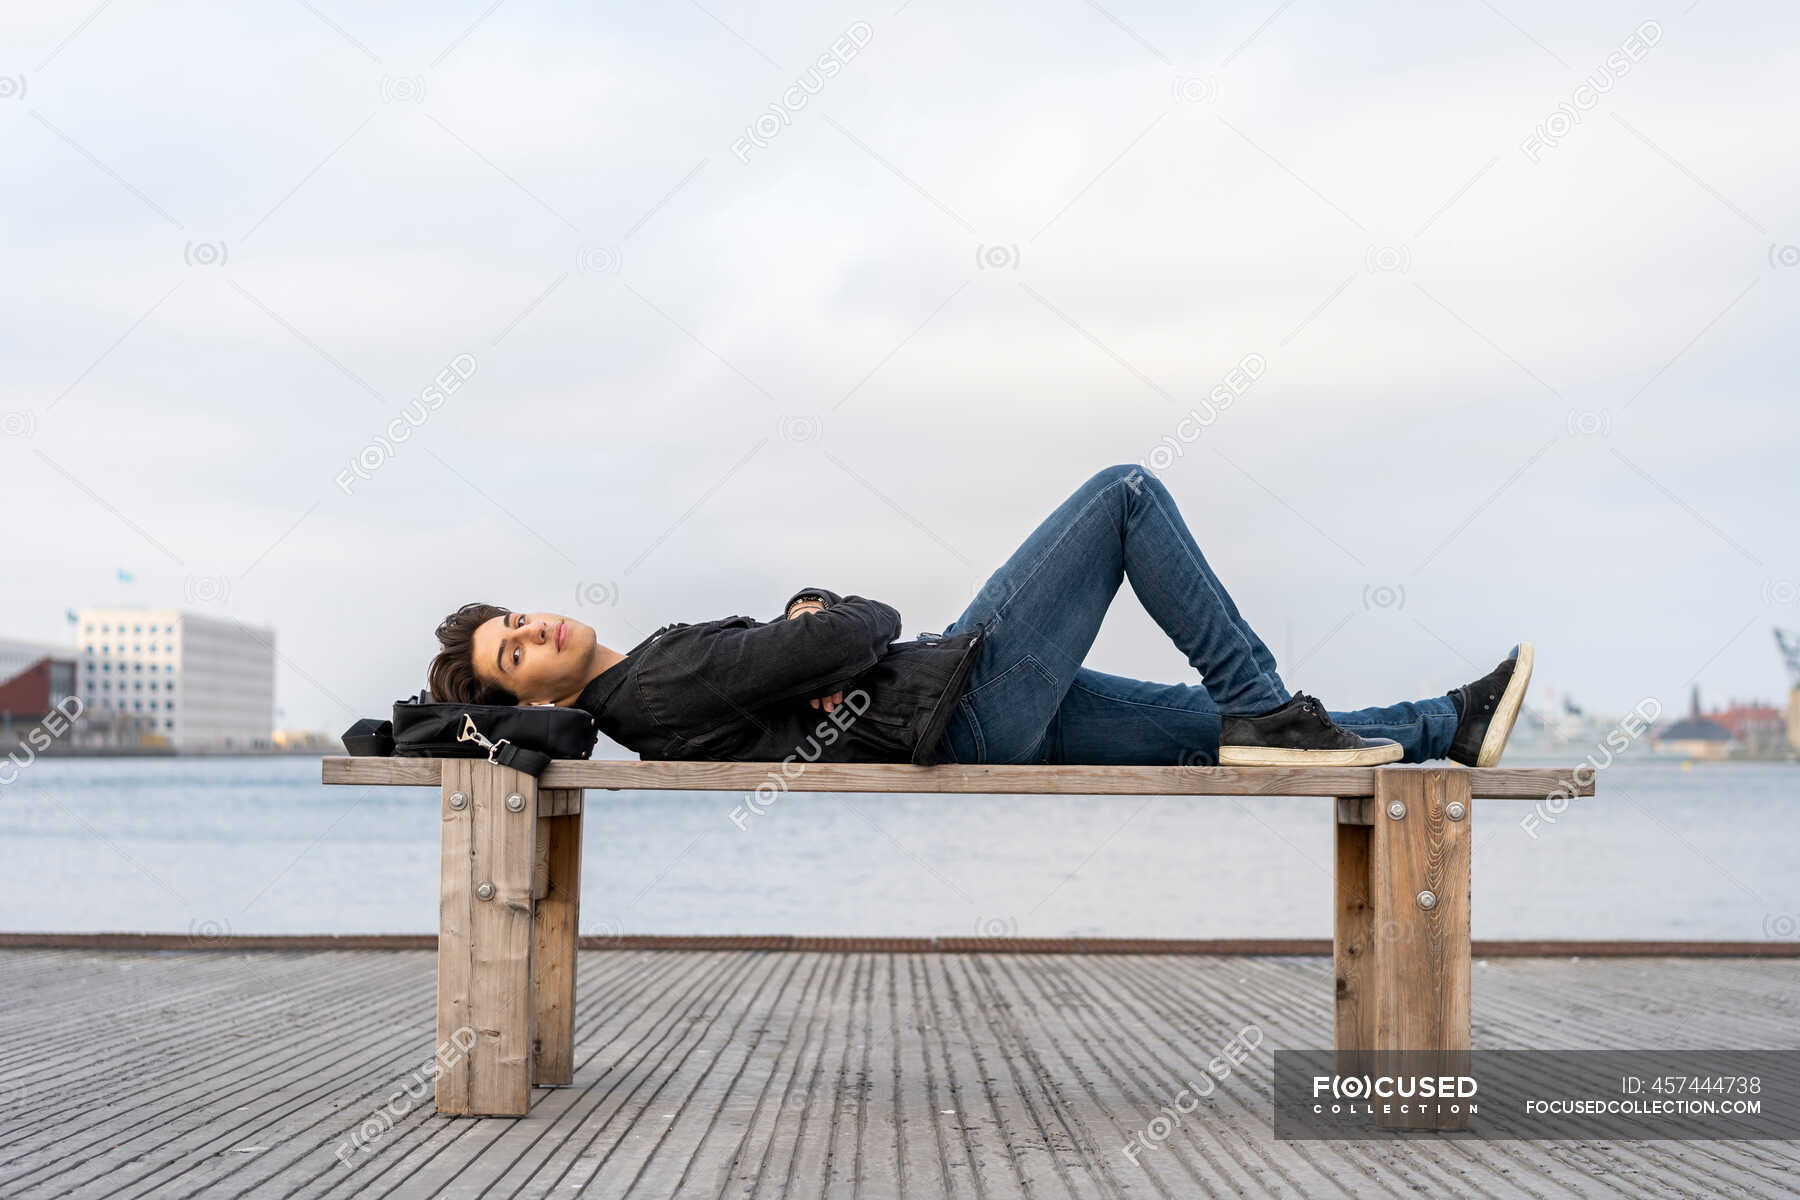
(509, 906)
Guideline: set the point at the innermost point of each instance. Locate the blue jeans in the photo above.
(1030, 700)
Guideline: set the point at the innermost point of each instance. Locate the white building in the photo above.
(201, 682)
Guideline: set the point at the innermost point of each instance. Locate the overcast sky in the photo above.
(1521, 368)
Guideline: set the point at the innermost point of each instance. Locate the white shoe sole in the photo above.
(1493, 745)
(1277, 756)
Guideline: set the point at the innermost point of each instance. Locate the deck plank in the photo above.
(751, 1073)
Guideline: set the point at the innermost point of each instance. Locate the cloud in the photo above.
(988, 257)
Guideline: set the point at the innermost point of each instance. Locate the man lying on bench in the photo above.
(1003, 683)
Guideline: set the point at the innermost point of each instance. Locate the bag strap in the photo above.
(532, 762)
(505, 752)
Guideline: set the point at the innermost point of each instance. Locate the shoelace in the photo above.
(1311, 706)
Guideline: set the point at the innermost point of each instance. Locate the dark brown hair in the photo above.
(452, 675)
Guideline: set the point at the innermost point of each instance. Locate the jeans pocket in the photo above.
(1013, 710)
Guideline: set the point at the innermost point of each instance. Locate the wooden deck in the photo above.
(730, 1073)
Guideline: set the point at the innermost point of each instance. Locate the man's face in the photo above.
(538, 657)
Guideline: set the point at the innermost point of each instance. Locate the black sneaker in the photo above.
(1488, 708)
(1299, 734)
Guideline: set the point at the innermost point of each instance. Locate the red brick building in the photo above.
(30, 694)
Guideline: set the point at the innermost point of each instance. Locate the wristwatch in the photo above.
(824, 596)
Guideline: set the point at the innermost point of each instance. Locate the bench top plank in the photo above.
(1526, 783)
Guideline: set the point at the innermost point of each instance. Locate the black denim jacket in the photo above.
(736, 689)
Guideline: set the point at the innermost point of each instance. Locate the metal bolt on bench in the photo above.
(510, 887)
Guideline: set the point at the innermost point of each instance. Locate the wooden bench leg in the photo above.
(1402, 935)
(555, 927)
(490, 817)
(1353, 938)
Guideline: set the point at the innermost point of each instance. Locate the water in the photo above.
(258, 845)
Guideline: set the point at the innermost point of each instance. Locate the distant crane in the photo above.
(1789, 644)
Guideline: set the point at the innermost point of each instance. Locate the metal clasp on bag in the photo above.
(471, 734)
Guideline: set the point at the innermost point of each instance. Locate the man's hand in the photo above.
(824, 704)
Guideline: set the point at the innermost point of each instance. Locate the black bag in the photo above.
(369, 737)
(525, 738)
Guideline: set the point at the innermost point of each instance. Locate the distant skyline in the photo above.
(1545, 698)
(1445, 327)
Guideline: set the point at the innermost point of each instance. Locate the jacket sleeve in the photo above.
(807, 656)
